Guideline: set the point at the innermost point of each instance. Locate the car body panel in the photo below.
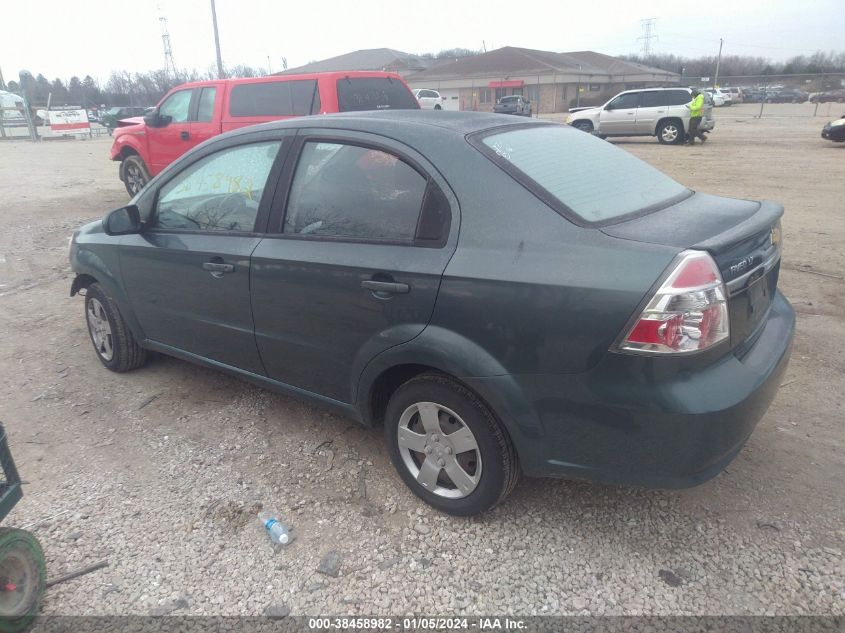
(835, 130)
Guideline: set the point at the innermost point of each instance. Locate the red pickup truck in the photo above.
(194, 112)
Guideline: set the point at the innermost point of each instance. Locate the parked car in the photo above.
(194, 112)
(835, 130)
(619, 327)
(429, 99)
(829, 96)
(735, 94)
(660, 112)
(113, 116)
(787, 95)
(719, 98)
(13, 112)
(513, 104)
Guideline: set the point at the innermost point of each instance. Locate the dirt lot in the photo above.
(160, 471)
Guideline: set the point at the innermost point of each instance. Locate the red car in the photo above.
(191, 113)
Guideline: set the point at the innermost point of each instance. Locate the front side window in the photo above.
(628, 100)
(205, 112)
(349, 191)
(591, 178)
(177, 106)
(221, 192)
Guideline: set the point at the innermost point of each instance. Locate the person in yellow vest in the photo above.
(696, 109)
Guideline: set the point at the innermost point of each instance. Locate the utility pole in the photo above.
(648, 35)
(169, 64)
(718, 63)
(217, 41)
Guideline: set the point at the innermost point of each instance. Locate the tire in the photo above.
(487, 468)
(584, 126)
(112, 339)
(437, 107)
(24, 572)
(135, 174)
(671, 133)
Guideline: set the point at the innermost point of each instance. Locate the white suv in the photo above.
(429, 99)
(660, 112)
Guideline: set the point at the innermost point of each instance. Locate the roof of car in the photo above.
(419, 120)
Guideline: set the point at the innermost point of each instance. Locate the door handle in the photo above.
(217, 269)
(184, 135)
(382, 289)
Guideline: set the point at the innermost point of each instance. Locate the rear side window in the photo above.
(653, 99)
(374, 93)
(677, 97)
(275, 98)
(580, 173)
(344, 190)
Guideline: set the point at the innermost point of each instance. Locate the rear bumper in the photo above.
(629, 421)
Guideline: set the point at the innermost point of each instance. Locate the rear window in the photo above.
(374, 93)
(275, 98)
(580, 173)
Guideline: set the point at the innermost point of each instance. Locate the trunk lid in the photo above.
(738, 234)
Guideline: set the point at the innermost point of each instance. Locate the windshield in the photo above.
(589, 177)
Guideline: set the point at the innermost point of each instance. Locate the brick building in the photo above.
(553, 82)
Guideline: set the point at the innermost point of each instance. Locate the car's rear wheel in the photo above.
(113, 341)
(670, 133)
(584, 126)
(448, 447)
(135, 174)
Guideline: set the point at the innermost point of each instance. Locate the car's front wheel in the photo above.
(670, 132)
(584, 126)
(135, 174)
(113, 341)
(448, 446)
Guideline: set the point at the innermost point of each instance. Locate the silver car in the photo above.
(660, 112)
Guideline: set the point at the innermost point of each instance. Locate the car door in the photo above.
(187, 273)
(170, 141)
(362, 240)
(619, 116)
(652, 108)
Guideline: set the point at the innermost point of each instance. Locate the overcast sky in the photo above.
(61, 38)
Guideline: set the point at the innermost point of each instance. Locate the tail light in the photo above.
(689, 312)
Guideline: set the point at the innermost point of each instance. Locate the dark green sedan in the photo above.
(503, 296)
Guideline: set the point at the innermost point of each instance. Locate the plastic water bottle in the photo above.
(277, 532)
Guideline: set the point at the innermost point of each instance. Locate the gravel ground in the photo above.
(162, 471)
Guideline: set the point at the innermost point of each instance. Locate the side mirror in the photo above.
(609, 106)
(154, 119)
(123, 221)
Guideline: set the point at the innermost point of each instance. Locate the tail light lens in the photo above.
(689, 312)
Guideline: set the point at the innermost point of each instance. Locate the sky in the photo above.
(62, 39)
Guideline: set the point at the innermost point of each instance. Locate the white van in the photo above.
(13, 109)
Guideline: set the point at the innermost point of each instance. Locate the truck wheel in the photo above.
(584, 126)
(135, 174)
(22, 577)
(670, 133)
(113, 341)
(448, 447)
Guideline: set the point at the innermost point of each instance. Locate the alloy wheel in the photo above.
(670, 133)
(100, 329)
(439, 450)
(134, 178)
